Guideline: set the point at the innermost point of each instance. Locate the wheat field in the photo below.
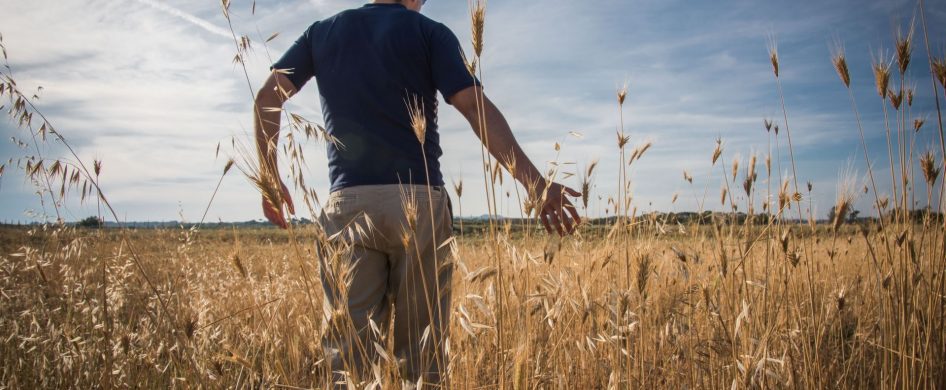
(760, 294)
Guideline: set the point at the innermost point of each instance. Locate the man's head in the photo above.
(413, 5)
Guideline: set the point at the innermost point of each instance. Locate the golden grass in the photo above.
(242, 318)
(725, 300)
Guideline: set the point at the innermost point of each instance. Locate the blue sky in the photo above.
(149, 87)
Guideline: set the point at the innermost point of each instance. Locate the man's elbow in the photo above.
(267, 99)
(465, 101)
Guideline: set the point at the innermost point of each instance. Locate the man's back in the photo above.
(369, 62)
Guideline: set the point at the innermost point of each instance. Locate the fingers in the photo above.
(545, 221)
(288, 199)
(567, 222)
(292, 208)
(572, 192)
(274, 215)
(553, 217)
(573, 212)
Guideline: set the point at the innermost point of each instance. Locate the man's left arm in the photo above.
(267, 112)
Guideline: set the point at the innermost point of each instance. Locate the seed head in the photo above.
(586, 183)
(622, 140)
(773, 56)
(929, 167)
(622, 94)
(881, 74)
(687, 177)
(478, 22)
(939, 71)
(845, 199)
(718, 151)
(895, 99)
(458, 187)
(97, 166)
(917, 124)
(639, 151)
(904, 44)
(750, 175)
(840, 299)
(418, 120)
(470, 65)
(784, 200)
(840, 65)
(768, 125)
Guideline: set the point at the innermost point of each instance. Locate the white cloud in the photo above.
(207, 26)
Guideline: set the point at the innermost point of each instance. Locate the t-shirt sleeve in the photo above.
(298, 62)
(449, 70)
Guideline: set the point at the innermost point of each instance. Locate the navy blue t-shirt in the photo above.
(369, 62)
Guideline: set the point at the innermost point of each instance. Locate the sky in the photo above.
(150, 88)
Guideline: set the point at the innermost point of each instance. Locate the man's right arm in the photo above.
(501, 143)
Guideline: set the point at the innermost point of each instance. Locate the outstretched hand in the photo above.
(274, 213)
(553, 211)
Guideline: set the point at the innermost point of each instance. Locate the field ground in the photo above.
(669, 310)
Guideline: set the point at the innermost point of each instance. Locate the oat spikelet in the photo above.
(622, 94)
(939, 71)
(718, 151)
(750, 175)
(881, 74)
(773, 55)
(418, 120)
(918, 124)
(622, 140)
(722, 195)
(687, 177)
(478, 23)
(458, 188)
(845, 200)
(639, 151)
(840, 65)
(784, 199)
(586, 182)
(470, 65)
(768, 124)
(410, 206)
(238, 264)
(904, 48)
(929, 167)
(643, 273)
(735, 168)
(896, 99)
(97, 166)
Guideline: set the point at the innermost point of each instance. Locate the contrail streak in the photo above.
(207, 26)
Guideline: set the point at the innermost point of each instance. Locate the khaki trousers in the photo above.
(386, 262)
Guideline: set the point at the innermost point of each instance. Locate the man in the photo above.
(374, 65)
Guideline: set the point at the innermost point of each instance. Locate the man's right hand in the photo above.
(274, 213)
(496, 135)
(553, 211)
